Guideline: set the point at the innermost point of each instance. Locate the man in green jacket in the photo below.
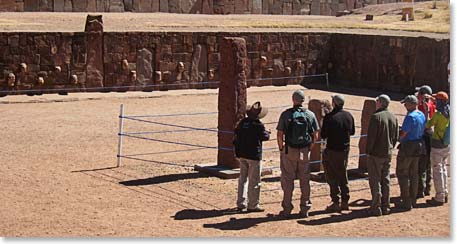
(381, 139)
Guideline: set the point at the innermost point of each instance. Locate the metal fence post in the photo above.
(326, 80)
(121, 127)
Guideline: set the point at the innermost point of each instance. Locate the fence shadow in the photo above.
(163, 179)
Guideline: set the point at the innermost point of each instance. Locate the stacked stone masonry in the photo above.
(152, 61)
(285, 7)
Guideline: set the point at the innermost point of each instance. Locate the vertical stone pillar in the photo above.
(315, 106)
(369, 107)
(232, 96)
(94, 64)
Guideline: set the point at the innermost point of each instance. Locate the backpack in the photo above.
(299, 133)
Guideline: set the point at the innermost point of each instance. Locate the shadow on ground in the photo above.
(163, 179)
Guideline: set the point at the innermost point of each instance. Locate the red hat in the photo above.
(441, 96)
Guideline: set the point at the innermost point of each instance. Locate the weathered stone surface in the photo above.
(101, 5)
(315, 7)
(287, 9)
(369, 107)
(116, 6)
(95, 67)
(232, 96)
(91, 5)
(80, 6)
(207, 7)
(316, 105)
(46, 5)
(68, 6)
(128, 5)
(229, 7)
(59, 5)
(174, 6)
(144, 66)
(155, 5)
(144, 6)
(31, 5)
(276, 7)
(163, 6)
(10, 6)
(256, 7)
(199, 64)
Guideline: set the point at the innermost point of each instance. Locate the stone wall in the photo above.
(94, 61)
(389, 63)
(286, 7)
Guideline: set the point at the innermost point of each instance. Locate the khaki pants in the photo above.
(379, 180)
(407, 167)
(439, 158)
(295, 164)
(249, 183)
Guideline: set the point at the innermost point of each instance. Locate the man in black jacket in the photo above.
(249, 135)
(337, 128)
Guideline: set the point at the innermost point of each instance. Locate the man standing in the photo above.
(297, 131)
(381, 139)
(411, 148)
(337, 128)
(440, 150)
(249, 135)
(427, 106)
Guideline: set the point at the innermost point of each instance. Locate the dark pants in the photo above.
(379, 179)
(335, 168)
(407, 178)
(425, 168)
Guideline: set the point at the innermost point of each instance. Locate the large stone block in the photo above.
(163, 6)
(80, 6)
(256, 7)
(174, 6)
(91, 5)
(155, 5)
(31, 5)
(128, 5)
(46, 5)
(369, 107)
(59, 5)
(116, 6)
(10, 5)
(144, 6)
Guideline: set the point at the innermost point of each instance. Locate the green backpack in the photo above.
(299, 132)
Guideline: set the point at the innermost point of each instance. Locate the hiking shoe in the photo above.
(344, 206)
(404, 206)
(333, 207)
(374, 211)
(303, 214)
(255, 210)
(420, 195)
(434, 202)
(385, 211)
(284, 214)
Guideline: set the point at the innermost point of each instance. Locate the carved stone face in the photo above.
(125, 64)
(157, 76)
(74, 79)
(40, 81)
(133, 75)
(57, 69)
(11, 79)
(211, 74)
(287, 71)
(23, 67)
(180, 67)
(263, 61)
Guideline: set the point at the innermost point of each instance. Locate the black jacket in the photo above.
(337, 128)
(249, 135)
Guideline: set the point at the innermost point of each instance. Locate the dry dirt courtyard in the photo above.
(59, 176)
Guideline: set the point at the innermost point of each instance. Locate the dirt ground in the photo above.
(59, 176)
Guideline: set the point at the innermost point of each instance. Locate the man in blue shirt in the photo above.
(410, 149)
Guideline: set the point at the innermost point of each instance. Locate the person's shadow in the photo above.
(204, 214)
(245, 223)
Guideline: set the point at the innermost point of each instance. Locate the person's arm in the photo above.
(264, 135)
(431, 122)
(324, 128)
(372, 134)
(315, 133)
(405, 127)
(280, 139)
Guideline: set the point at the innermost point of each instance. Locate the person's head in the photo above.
(338, 101)
(410, 102)
(298, 97)
(441, 98)
(382, 101)
(423, 91)
(256, 111)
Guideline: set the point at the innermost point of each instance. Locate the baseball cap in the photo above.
(338, 99)
(425, 89)
(409, 99)
(441, 96)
